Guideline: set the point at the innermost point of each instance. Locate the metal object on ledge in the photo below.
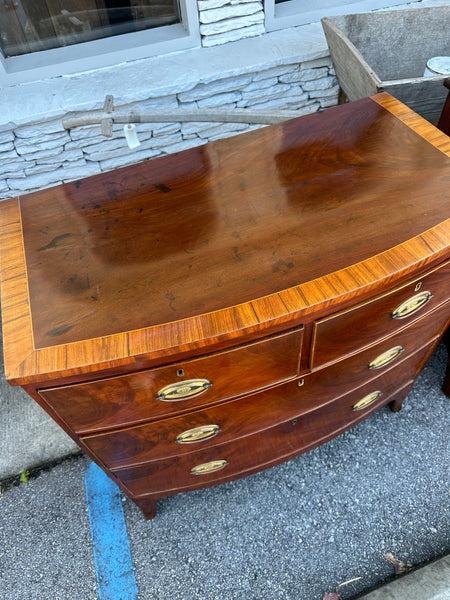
(108, 115)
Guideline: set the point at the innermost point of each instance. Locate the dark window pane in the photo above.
(33, 25)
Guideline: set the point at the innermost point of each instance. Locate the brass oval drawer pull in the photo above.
(198, 434)
(183, 389)
(386, 357)
(367, 400)
(412, 305)
(209, 467)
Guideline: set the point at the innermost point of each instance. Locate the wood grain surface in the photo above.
(260, 271)
(188, 253)
(133, 397)
(300, 431)
(246, 415)
(334, 336)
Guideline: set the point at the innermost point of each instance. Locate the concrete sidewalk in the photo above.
(28, 436)
(428, 583)
(294, 532)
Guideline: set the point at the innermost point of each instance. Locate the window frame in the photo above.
(105, 52)
(292, 12)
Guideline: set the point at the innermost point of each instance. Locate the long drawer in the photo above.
(177, 387)
(249, 414)
(364, 324)
(301, 431)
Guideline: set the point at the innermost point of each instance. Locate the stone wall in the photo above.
(238, 65)
(39, 155)
(223, 21)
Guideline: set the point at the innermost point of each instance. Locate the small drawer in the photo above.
(368, 363)
(297, 434)
(364, 324)
(178, 387)
(249, 414)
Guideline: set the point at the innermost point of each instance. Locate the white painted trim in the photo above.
(301, 12)
(105, 52)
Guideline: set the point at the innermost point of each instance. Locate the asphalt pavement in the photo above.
(336, 518)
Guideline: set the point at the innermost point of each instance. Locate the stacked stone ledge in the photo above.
(223, 21)
(37, 156)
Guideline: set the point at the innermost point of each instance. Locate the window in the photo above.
(288, 13)
(63, 36)
(35, 25)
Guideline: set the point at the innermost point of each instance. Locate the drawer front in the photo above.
(301, 432)
(181, 386)
(345, 332)
(249, 414)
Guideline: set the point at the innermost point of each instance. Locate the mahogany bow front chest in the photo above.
(198, 317)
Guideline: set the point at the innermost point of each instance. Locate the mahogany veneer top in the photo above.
(205, 233)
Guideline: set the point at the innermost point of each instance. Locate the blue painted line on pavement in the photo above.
(113, 564)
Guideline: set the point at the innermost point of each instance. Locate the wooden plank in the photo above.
(356, 77)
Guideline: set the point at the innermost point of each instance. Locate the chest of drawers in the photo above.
(199, 317)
